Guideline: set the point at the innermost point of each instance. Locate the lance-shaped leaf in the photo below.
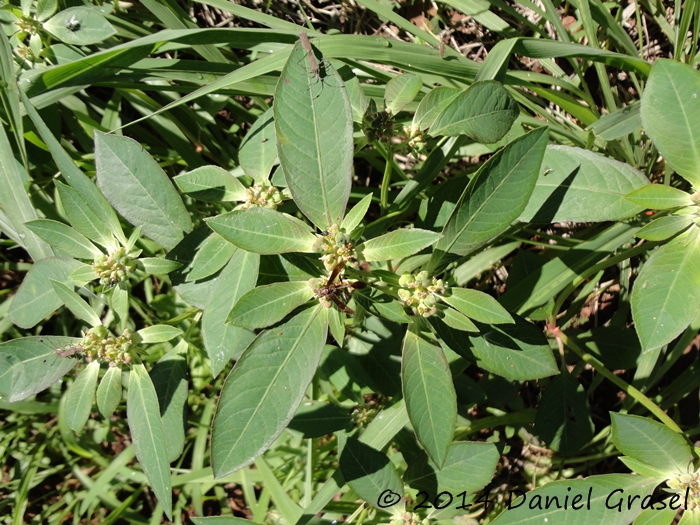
(670, 111)
(64, 238)
(109, 392)
(431, 401)
(476, 305)
(213, 255)
(370, 474)
(159, 333)
(75, 303)
(80, 396)
(222, 340)
(664, 227)
(313, 121)
(139, 189)
(264, 231)
(83, 217)
(354, 217)
(169, 377)
(432, 105)
(659, 197)
(469, 466)
(484, 112)
(596, 500)
(400, 91)
(265, 305)
(666, 294)
(29, 365)
(258, 151)
(148, 436)
(158, 265)
(563, 418)
(264, 389)
(578, 185)
(397, 244)
(211, 183)
(652, 443)
(36, 297)
(494, 197)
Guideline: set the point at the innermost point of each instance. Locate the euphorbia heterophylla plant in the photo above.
(341, 274)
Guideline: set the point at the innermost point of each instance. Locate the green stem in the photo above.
(624, 386)
(386, 181)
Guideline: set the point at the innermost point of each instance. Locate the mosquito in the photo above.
(309, 50)
(74, 352)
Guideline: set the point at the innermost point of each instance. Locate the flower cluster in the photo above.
(115, 267)
(409, 518)
(98, 344)
(689, 482)
(419, 291)
(414, 138)
(337, 248)
(263, 196)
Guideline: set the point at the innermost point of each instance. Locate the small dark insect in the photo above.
(74, 352)
(73, 24)
(325, 232)
(330, 290)
(264, 140)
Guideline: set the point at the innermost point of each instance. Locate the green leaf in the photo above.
(222, 520)
(563, 418)
(656, 516)
(641, 468)
(45, 8)
(495, 196)
(670, 109)
(400, 91)
(83, 218)
(354, 217)
(664, 227)
(80, 395)
(119, 301)
(316, 419)
(158, 265)
(484, 112)
(591, 501)
(264, 390)
(659, 197)
(433, 105)
(313, 122)
(336, 325)
(139, 189)
(79, 26)
(148, 436)
(651, 443)
(579, 185)
(265, 231)
(169, 377)
(158, 333)
(397, 244)
(666, 294)
(381, 305)
(619, 123)
(476, 305)
(212, 255)
(258, 151)
(109, 392)
(75, 303)
(431, 401)
(83, 187)
(223, 341)
(64, 238)
(469, 467)
(517, 351)
(456, 320)
(370, 474)
(36, 297)
(29, 365)
(266, 305)
(211, 183)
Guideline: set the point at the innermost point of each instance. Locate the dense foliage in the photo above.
(313, 276)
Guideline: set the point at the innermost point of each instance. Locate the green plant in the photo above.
(356, 319)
